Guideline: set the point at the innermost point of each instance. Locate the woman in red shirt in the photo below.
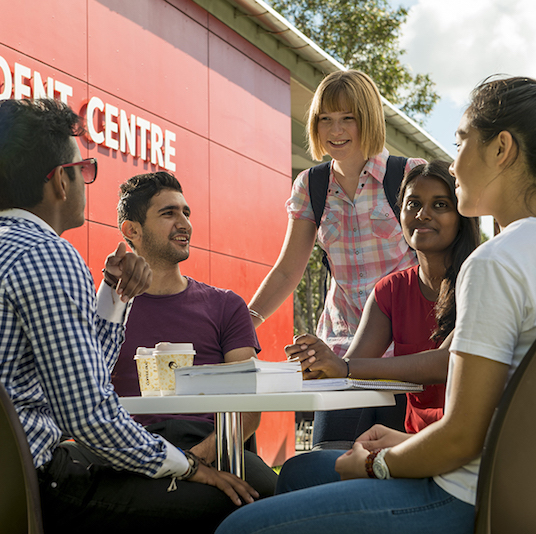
(413, 308)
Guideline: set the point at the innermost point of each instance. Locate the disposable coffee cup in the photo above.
(171, 356)
(147, 373)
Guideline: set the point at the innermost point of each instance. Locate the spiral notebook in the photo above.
(336, 384)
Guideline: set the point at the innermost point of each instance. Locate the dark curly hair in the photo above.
(508, 104)
(466, 241)
(34, 138)
(137, 192)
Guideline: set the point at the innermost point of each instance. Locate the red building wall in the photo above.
(226, 104)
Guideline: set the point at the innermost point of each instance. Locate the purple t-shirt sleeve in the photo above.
(237, 331)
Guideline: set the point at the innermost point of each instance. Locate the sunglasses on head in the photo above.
(88, 167)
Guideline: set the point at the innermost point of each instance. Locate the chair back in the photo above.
(506, 493)
(20, 505)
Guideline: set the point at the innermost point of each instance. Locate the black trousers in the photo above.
(185, 434)
(80, 493)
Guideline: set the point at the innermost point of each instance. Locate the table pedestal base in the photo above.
(229, 440)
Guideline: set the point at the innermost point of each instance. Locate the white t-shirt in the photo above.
(496, 317)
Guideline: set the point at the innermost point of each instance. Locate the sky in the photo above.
(460, 43)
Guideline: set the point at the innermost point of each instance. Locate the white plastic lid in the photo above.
(174, 348)
(143, 352)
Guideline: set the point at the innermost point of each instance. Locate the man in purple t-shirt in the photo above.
(154, 218)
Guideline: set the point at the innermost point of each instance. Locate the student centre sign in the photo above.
(106, 124)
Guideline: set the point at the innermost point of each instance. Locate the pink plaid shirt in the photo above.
(363, 240)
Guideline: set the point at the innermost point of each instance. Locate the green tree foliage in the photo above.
(364, 35)
(309, 295)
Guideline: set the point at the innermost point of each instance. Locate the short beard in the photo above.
(159, 254)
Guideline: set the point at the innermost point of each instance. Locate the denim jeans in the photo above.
(310, 469)
(360, 506)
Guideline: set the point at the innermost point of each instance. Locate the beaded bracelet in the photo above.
(110, 279)
(193, 466)
(369, 463)
(347, 362)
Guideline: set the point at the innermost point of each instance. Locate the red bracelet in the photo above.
(370, 461)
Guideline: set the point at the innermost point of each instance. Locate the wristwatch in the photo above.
(379, 467)
(376, 466)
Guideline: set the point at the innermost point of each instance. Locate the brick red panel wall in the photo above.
(228, 106)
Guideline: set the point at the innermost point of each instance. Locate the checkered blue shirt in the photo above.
(56, 353)
(363, 241)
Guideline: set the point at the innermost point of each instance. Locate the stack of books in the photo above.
(247, 376)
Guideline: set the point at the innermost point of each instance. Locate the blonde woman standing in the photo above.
(358, 230)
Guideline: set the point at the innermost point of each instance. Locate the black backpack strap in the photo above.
(318, 188)
(394, 174)
(319, 181)
(318, 192)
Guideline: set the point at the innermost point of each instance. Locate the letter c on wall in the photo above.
(94, 104)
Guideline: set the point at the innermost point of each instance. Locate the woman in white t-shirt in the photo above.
(428, 480)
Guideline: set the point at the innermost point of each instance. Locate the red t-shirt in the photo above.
(412, 317)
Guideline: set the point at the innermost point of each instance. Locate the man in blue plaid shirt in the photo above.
(57, 347)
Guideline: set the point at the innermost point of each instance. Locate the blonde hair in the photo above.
(354, 91)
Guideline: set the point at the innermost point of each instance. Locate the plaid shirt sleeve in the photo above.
(299, 204)
(60, 381)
